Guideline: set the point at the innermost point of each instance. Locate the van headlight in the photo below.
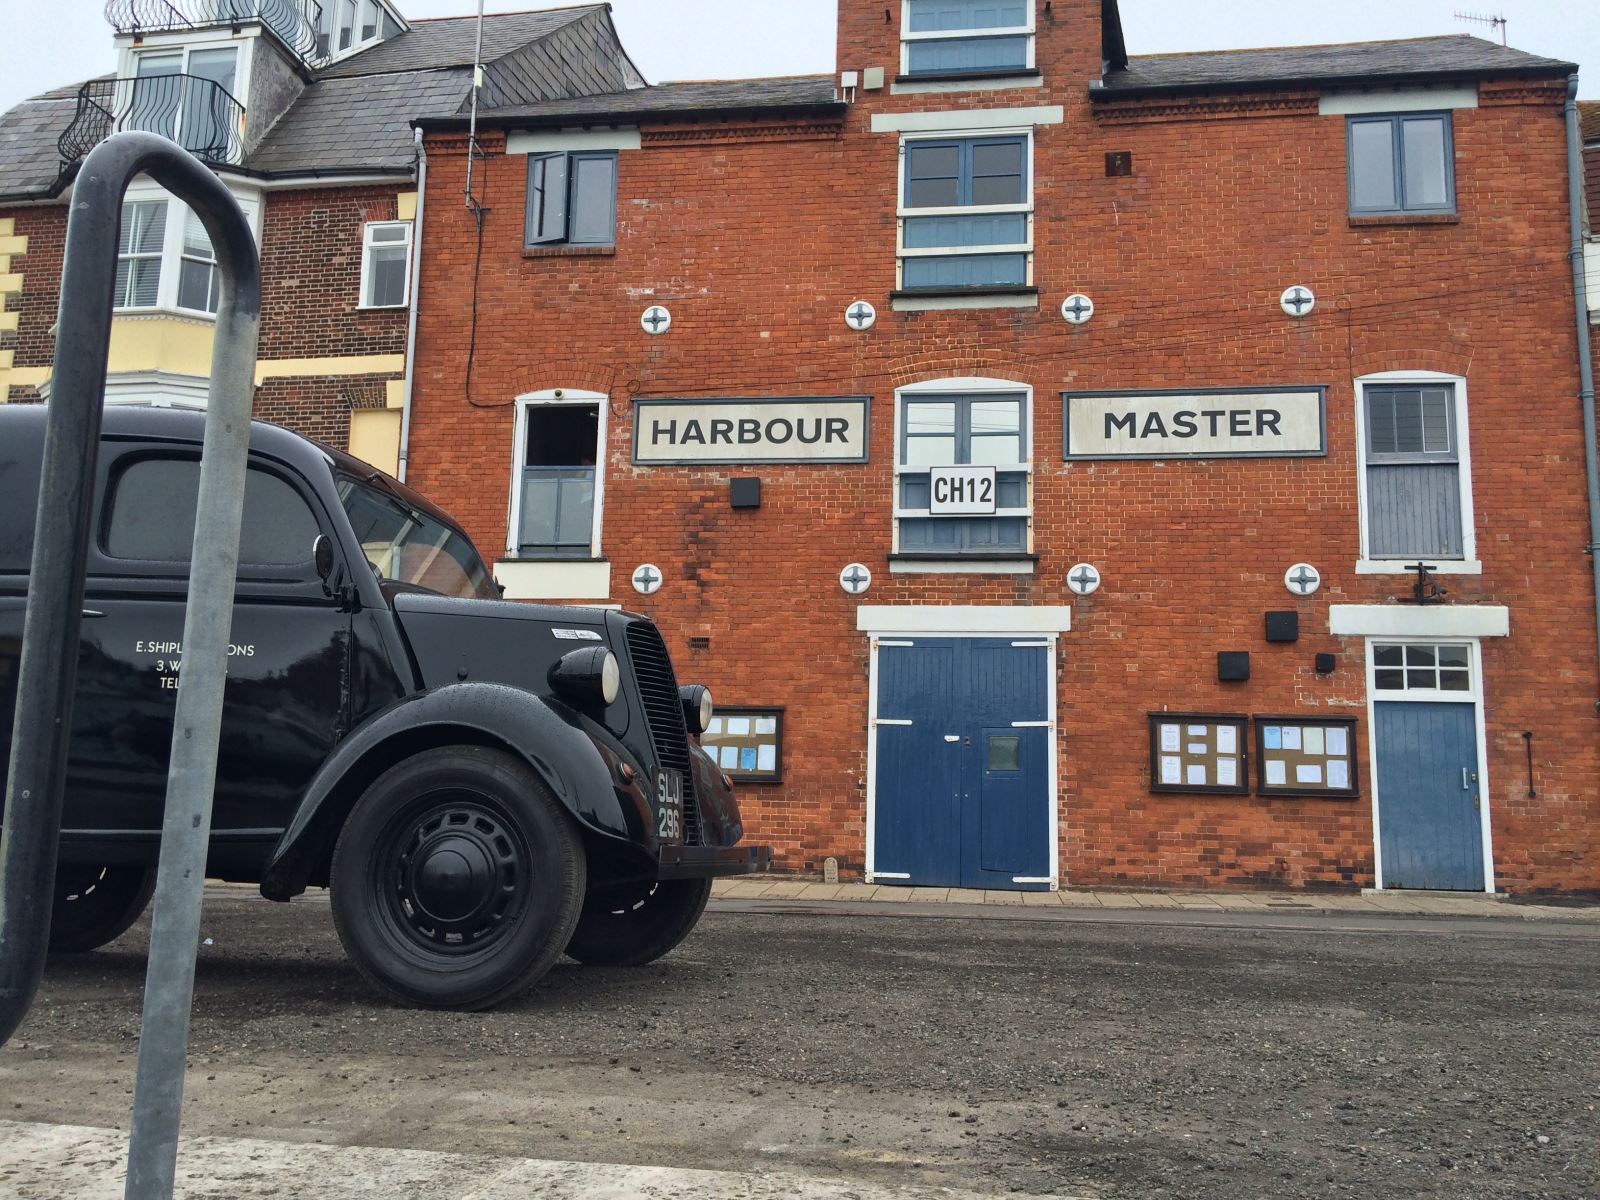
(697, 707)
(589, 677)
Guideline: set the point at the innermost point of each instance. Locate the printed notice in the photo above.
(1171, 739)
(1227, 772)
(1272, 737)
(1339, 774)
(1227, 739)
(738, 726)
(1171, 768)
(1313, 740)
(1199, 748)
(1338, 742)
(1291, 737)
(1197, 775)
(1199, 730)
(1308, 773)
(768, 759)
(1277, 774)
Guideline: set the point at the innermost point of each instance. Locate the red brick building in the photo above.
(304, 110)
(1247, 335)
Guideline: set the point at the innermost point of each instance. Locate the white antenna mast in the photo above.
(1494, 22)
(477, 83)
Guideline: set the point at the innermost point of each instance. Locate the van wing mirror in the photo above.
(322, 555)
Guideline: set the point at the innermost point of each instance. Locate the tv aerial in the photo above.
(1493, 21)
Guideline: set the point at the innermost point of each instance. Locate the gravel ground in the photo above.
(1128, 1060)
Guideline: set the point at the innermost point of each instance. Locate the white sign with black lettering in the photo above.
(1209, 423)
(962, 492)
(706, 432)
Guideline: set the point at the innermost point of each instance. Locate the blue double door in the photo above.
(962, 787)
(1430, 816)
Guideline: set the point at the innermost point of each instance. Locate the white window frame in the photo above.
(1474, 697)
(1469, 563)
(172, 254)
(367, 247)
(937, 389)
(571, 397)
(907, 37)
(330, 10)
(903, 211)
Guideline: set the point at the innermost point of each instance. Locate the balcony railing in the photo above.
(295, 22)
(199, 114)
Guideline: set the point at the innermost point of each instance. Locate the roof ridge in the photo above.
(1433, 37)
(520, 12)
(748, 79)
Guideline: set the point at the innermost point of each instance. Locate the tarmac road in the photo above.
(1128, 1058)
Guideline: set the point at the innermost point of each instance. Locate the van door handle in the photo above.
(89, 614)
(1464, 784)
(952, 737)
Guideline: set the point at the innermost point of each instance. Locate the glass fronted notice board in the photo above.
(1198, 752)
(1306, 756)
(747, 743)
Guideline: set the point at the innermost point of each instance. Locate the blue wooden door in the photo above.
(962, 786)
(1429, 820)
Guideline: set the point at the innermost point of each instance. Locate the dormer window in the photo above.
(955, 38)
(350, 25)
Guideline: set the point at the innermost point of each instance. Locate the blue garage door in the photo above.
(1429, 821)
(962, 790)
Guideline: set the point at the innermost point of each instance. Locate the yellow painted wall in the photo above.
(375, 437)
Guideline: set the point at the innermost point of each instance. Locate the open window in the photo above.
(556, 492)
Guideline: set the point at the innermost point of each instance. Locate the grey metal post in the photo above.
(48, 670)
(1586, 397)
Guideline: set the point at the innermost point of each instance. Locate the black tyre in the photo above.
(614, 933)
(96, 905)
(457, 879)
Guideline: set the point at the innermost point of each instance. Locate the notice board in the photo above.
(1306, 756)
(1198, 752)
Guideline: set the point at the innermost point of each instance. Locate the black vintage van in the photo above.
(482, 785)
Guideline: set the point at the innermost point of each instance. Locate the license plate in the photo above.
(669, 805)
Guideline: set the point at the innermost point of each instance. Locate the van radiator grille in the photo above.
(663, 710)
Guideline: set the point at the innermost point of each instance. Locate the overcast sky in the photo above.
(52, 42)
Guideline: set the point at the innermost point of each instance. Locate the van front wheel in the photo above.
(457, 880)
(629, 932)
(96, 905)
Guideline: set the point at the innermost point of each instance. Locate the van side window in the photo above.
(20, 461)
(152, 515)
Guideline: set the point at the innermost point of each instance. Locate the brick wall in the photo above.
(46, 230)
(758, 236)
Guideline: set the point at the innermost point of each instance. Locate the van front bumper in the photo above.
(700, 862)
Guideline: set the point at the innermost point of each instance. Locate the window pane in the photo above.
(997, 189)
(152, 518)
(1390, 681)
(995, 451)
(933, 175)
(931, 451)
(575, 526)
(593, 200)
(392, 232)
(144, 226)
(996, 416)
(1419, 656)
(1426, 167)
(1372, 182)
(1381, 436)
(935, 16)
(1435, 405)
(196, 242)
(1001, 229)
(369, 20)
(1454, 656)
(386, 276)
(562, 435)
(967, 54)
(199, 286)
(547, 198)
(1455, 681)
(967, 270)
(347, 22)
(1388, 656)
(936, 417)
(219, 66)
(1005, 753)
(997, 158)
(138, 282)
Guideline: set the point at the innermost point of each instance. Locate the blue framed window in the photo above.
(966, 219)
(954, 38)
(940, 429)
(572, 199)
(1404, 163)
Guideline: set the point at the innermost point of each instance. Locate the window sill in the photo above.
(525, 559)
(1380, 220)
(565, 251)
(554, 578)
(1391, 566)
(382, 307)
(963, 564)
(156, 314)
(935, 299)
(975, 81)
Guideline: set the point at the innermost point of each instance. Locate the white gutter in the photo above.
(412, 294)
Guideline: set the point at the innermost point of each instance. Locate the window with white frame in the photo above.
(1415, 505)
(956, 38)
(165, 260)
(966, 213)
(977, 425)
(1422, 667)
(346, 26)
(385, 264)
(555, 506)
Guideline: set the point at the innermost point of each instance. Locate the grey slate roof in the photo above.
(666, 99)
(1460, 55)
(449, 42)
(29, 160)
(1589, 119)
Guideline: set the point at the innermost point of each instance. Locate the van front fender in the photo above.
(578, 767)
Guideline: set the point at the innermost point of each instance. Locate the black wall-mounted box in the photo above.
(745, 493)
(1283, 627)
(1326, 663)
(1233, 666)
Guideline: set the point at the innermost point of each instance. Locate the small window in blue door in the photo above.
(1005, 753)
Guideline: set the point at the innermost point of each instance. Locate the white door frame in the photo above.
(1475, 697)
(1045, 640)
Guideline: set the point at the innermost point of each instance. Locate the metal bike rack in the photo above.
(47, 674)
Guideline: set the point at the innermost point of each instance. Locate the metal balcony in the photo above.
(199, 114)
(295, 22)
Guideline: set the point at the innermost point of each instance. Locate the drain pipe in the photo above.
(411, 325)
(1591, 450)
